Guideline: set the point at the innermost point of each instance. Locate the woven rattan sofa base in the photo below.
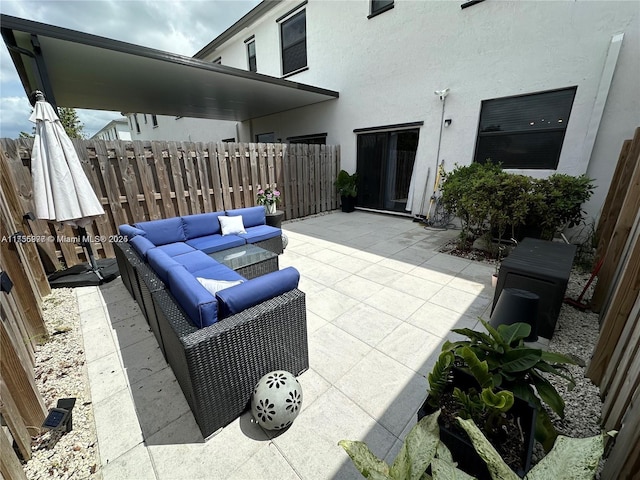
(123, 267)
(128, 260)
(218, 366)
(150, 283)
(258, 269)
(272, 244)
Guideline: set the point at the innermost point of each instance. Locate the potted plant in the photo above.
(570, 458)
(483, 378)
(347, 186)
(269, 197)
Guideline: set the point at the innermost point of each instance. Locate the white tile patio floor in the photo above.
(380, 301)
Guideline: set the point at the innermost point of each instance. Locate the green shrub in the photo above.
(494, 203)
(558, 202)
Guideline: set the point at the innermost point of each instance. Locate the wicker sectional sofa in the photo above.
(250, 329)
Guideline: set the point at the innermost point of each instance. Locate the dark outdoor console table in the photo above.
(275, 219)
(541, 267)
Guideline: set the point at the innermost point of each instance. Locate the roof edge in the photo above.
(9, 23)
(255, 13)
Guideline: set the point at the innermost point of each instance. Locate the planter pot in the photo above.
(270, 208)
(348, 203)
(461, 447)
(494, 280)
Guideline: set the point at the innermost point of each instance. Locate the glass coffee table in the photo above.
(248, 260)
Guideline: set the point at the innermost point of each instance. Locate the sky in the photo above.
(176, 26)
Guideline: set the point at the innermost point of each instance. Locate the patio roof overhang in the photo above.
(75, 69)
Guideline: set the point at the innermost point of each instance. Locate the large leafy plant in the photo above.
(346, 184)
(499, 359)
(570, 458)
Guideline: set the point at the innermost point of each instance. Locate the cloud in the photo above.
(94, 120)
(176, 26)
(15, 116)
(16, 112)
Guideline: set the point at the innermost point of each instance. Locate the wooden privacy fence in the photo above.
(615, 365)
(21, 326)
(137, 181)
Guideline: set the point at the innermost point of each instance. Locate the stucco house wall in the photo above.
(180, 129)
(387, 67)
(114, 130)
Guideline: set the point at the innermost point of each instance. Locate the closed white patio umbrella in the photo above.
(61, 191)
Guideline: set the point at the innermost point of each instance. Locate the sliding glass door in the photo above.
(385, 164)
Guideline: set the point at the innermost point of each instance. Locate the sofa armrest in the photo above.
(255, 291)
(130, 231)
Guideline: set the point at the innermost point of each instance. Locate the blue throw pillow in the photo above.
(236, 299)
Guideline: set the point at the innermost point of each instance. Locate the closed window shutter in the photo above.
(525, 131)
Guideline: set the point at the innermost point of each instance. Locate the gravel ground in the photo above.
(576, 335)
(61, 372)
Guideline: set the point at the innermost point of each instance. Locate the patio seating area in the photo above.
(380, 301)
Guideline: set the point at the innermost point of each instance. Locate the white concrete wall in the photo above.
(114, 130)
(386, 69)
(185, 129)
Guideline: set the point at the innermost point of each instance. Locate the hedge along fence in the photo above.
(138, 181)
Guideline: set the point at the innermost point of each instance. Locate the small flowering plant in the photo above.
(268, 196)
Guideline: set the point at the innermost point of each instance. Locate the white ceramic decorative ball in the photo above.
(276, 400)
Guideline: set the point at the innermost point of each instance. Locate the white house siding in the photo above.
(386, 69)
(184, 129)
(114, 130)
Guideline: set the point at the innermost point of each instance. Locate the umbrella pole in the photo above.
(87, 245)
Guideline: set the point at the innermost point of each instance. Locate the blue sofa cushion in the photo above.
(201, 225)
(161, 232)
(161, 263)
(177, 248)
(130, 231)
(141, 245)
(255, 291)
(196, 260)
(251, 216)
(200, 306)
(218, 272)
(215, 243)
(260, 233)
